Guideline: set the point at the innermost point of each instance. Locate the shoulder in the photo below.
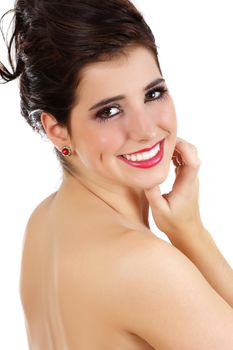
(150, 289)
(38, 214)
(164, 299)
(34, 248)
(33, 243)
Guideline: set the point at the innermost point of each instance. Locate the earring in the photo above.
(66, 151)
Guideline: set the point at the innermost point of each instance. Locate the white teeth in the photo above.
(139, 157)
(133, 157)
(144, 155)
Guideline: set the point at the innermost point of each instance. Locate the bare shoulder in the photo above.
(33, 244)
(39, 211)
(34, 250)
(165, 300)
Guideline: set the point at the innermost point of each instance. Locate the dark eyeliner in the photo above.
(163, 91)
(99, 115)
(101, 112)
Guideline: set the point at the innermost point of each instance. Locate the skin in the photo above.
(139, 125)
(75, 263)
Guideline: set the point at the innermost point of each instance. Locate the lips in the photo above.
(149, 163)
(144, 149)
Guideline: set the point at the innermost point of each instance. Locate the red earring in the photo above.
(66, 151)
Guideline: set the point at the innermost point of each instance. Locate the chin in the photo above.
(157, 180)
(153, 179)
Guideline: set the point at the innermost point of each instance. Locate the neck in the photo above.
(129, 203)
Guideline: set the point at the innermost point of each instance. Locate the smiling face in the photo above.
(123, 107)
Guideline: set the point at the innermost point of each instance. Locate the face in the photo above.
(123, 107)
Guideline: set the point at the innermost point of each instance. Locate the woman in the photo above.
(93, 274)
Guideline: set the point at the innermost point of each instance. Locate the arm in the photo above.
(177, 215)
(166, 301)
(204, 253)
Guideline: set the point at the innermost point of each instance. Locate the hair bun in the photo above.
(13, 48)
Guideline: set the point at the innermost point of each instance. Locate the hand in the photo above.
(177, 213)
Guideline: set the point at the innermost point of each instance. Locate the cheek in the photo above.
(168, 122)
(110, 138)
(168, 119)
(99, 141)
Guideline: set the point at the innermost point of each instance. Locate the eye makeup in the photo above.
(108, 112)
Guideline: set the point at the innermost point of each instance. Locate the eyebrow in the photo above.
(106, 101)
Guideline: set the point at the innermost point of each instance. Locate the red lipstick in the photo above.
(146, 163)
(144, 149)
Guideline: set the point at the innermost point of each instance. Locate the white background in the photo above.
(196, 55)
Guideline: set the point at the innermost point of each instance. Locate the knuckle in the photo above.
(192, 147)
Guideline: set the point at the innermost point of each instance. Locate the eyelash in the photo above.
(99, 115)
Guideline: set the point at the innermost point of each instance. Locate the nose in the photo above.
(142, 125)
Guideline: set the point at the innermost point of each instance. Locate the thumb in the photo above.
(156, 200)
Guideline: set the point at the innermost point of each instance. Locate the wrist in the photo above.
(190, 237)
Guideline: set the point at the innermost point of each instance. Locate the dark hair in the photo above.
(53, 40)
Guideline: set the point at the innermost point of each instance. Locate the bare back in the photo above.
(89, 236)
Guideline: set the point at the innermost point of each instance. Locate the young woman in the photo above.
(93, 274)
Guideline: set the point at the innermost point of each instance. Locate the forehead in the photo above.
(135, 69)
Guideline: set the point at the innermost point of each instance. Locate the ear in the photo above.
(57, 133)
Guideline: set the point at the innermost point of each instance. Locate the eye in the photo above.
(156, 94)
(107, 113)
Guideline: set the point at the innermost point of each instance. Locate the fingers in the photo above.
(187, 163)
(177, 158)
(156, 200)
(185, 154)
